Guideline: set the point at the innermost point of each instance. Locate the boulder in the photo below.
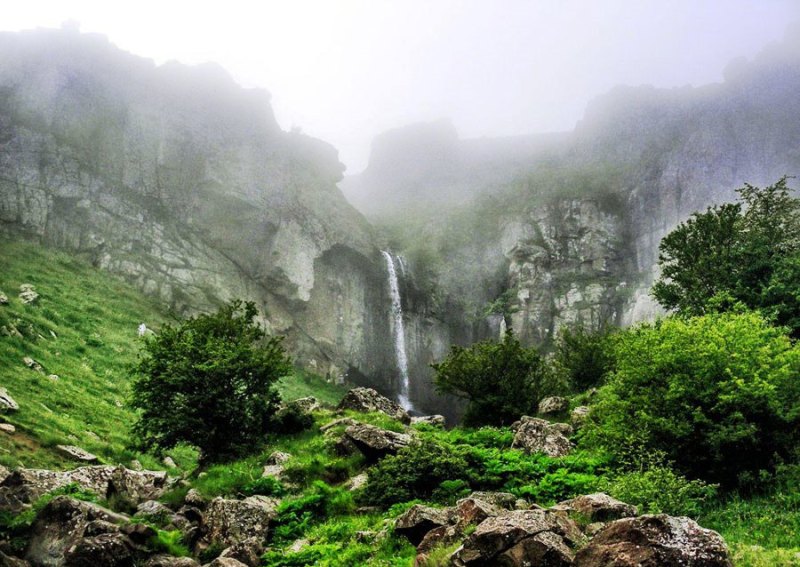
(27, 294)
(501, 499)
(195, 499)
(137, 486)
(553, 405)
(369, 400)
(435, 420)
(60, 526)
(7, 428)
(169, 462)
(76, 453)
(344, 421)
(274, 464)
(419, 520)
(153, 511)
(520, 537)
(169, 561)
(228, 522)
(305, 405)
(3, 298)
(535, 435)
(654, 541)
(7, 403)
(597, 507)
(225, 562)
(471, 511)
(579, 415)
(374, 442)
(108, 550)
(248, 552)
(357, 482)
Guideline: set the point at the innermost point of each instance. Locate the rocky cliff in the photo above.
(566, 231)
(182, 182)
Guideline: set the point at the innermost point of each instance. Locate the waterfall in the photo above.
(398, 330)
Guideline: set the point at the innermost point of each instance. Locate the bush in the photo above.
(660, 490)
(209, 382)
(297, 515)
(290, 420)
(583, 357)
(501, 380)
(416, 472)
(718, 394)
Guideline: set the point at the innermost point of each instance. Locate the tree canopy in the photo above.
(209, 382)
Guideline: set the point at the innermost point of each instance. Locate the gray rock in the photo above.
(8, 561)
(59, 527)
(3, 298)
(536, 435)
(369, 400)
(225, 562)
(597, 507)
(27, 294)
(32, 364)
(7, 403)
(553, 405)
(7, 428)
(374, 442)
(248, 552)
(419, 520)
(520, 538)
(579, 416)
(435, 420)
(169, 462)
(653, 541)
(137, 486)
(169, 561)
(357, 482)
(228, 522)
(153, 511)
(195, 499)
(501, 499)
(471, 511)
(76, 453)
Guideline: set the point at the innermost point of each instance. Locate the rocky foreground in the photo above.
(488, 528)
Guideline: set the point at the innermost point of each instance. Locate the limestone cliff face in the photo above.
(183, 183)
(573, 236)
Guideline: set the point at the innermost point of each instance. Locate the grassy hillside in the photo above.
(83, 329)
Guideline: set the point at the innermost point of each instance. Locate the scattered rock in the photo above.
(228, 522)
(597, 507)
(169, 463)
(108, 550)
(32, 364)
(368, 400)
(441, 536)
(3, 298)
(520, 538)
(374, 442)
(435, 420)
(652, 541)
(248, 552)
(73, 452)
(274, 464)
(8, 561)
(136, 465)
(7, 403)
(345, 421)
(153, 511)
(225, 562)
(27, 294)
(306, 405)
(298, 545)
(471, 511)
(7, 428)
(60, 525)
(53, 377)
(137, 486)
(358, 481)
(579, 415)
(501, 499)
(169, 561)
(553, 405)
(419, 520)
(195, 499)
(536, 435)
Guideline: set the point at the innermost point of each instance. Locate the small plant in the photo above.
(264, 486)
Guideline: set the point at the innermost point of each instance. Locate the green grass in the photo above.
(303, 384)
(82, 328)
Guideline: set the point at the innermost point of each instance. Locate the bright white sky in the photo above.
(345, 70)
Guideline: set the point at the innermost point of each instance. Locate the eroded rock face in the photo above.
(654, 541)
(374, 442)
(520, 538)
(536, 435)
(369, 400)
(228, 522)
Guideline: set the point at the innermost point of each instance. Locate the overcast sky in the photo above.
(345, 70)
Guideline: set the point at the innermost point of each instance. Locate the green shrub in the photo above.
(264, 486)
(660, 490)
(583, 357)
(209, 382)
(416, 472)
(297, 515)
(501, 380)
(718, 394)
(290, 420)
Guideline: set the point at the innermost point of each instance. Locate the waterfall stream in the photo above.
(398, 330)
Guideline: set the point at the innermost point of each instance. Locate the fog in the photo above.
(347, 70)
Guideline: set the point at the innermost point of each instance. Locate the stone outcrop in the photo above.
(536, 435)
(369, 400)
(374, 442)
(76, 453)
(653, 541)
(419, 520)
(597, 507)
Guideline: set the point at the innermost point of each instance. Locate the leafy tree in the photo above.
(502, 380)
(209, 382)
(584, 357)
(719, 395)
(746, 251)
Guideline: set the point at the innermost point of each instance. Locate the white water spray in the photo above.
(398, 330)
